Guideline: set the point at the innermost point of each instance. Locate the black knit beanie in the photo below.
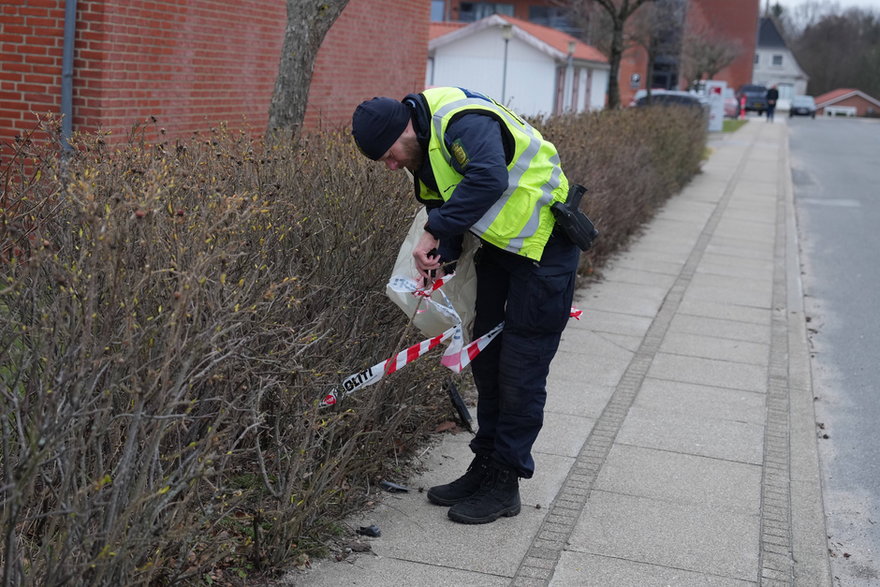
(377, 124)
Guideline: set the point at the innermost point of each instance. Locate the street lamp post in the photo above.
(506, 34)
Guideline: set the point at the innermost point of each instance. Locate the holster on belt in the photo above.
(574, 224)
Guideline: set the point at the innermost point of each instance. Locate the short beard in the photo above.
(413, 153)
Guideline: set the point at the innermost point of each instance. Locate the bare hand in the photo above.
(426, 257)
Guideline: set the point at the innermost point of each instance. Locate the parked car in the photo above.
(802, 106)
(669, 97)
(641, 94)
(756, 97)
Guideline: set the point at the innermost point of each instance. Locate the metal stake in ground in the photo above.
(458, 403)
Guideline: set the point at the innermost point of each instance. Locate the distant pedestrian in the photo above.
(772, 98)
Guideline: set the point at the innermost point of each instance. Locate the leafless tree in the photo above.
(798, 18)
(618, 12)
(307, 23)
(841, 50)
(704, 54)
(655, 28)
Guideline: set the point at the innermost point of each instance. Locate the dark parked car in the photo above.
(670, 99)
(642, 94)
(802, 106)
(756, 97)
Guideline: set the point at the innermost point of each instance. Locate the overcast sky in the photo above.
(873, 4)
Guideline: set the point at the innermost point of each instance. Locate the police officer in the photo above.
(479, 167)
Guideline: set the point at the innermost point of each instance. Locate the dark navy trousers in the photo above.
(534, 301)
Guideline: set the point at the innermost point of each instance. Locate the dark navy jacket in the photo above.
(484, 178)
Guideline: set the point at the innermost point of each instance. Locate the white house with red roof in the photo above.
(531, 68)
(775, 64)
(847, 102)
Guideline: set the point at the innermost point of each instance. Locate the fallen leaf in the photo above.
(444, 426)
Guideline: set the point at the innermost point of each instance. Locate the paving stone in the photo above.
(681, 478)
(367, 569)
(758, 299)
(626, 275)
(658, 532)
(586, 372)
(726, 311)
(563, 435)
(702, 401)
(591, 344)
(550, 473)
(722, 267)
(753, 233)
(738, 286)
(722, 328)
(585, 398)
(693, 434)
(689, 218)
(590, 570)
(639, 300)
(764, 266)
(609, 322)
(654, 264)
(711, 347)
(757, 213)
(734, 249)
(710, 372)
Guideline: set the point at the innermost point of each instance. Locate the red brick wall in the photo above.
(863, 107)
(188, 63)
(192, 64)
(634, 60)
(31, 33)
(375, 48)
(733, 19)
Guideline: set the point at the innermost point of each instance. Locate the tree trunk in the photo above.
(619, 15)
(307, 23)
(614, 62)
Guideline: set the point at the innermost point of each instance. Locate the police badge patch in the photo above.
(460, 154)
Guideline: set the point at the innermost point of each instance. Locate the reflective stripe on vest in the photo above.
(532, 157)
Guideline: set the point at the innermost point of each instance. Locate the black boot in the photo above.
(463, 487)
(498, 496)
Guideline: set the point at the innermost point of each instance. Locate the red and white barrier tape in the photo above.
(456, 357)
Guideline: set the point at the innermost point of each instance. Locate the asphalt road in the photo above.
(836, 172)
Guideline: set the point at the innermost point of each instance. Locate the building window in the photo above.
(757, 59)
(438, 10)
(777, 60)
(472, 11)
(554, 17)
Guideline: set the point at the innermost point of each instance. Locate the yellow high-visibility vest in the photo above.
(520, 221)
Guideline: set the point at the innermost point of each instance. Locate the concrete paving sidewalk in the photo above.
(679, 443)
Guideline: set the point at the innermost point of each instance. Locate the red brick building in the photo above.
(726, 19)
(192, 64)
(847, 102)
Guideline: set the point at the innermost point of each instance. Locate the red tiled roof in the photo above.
(558, 40)
(833, 95)
(438, 29)
(552, 37)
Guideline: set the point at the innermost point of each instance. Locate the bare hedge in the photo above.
(170, 315)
